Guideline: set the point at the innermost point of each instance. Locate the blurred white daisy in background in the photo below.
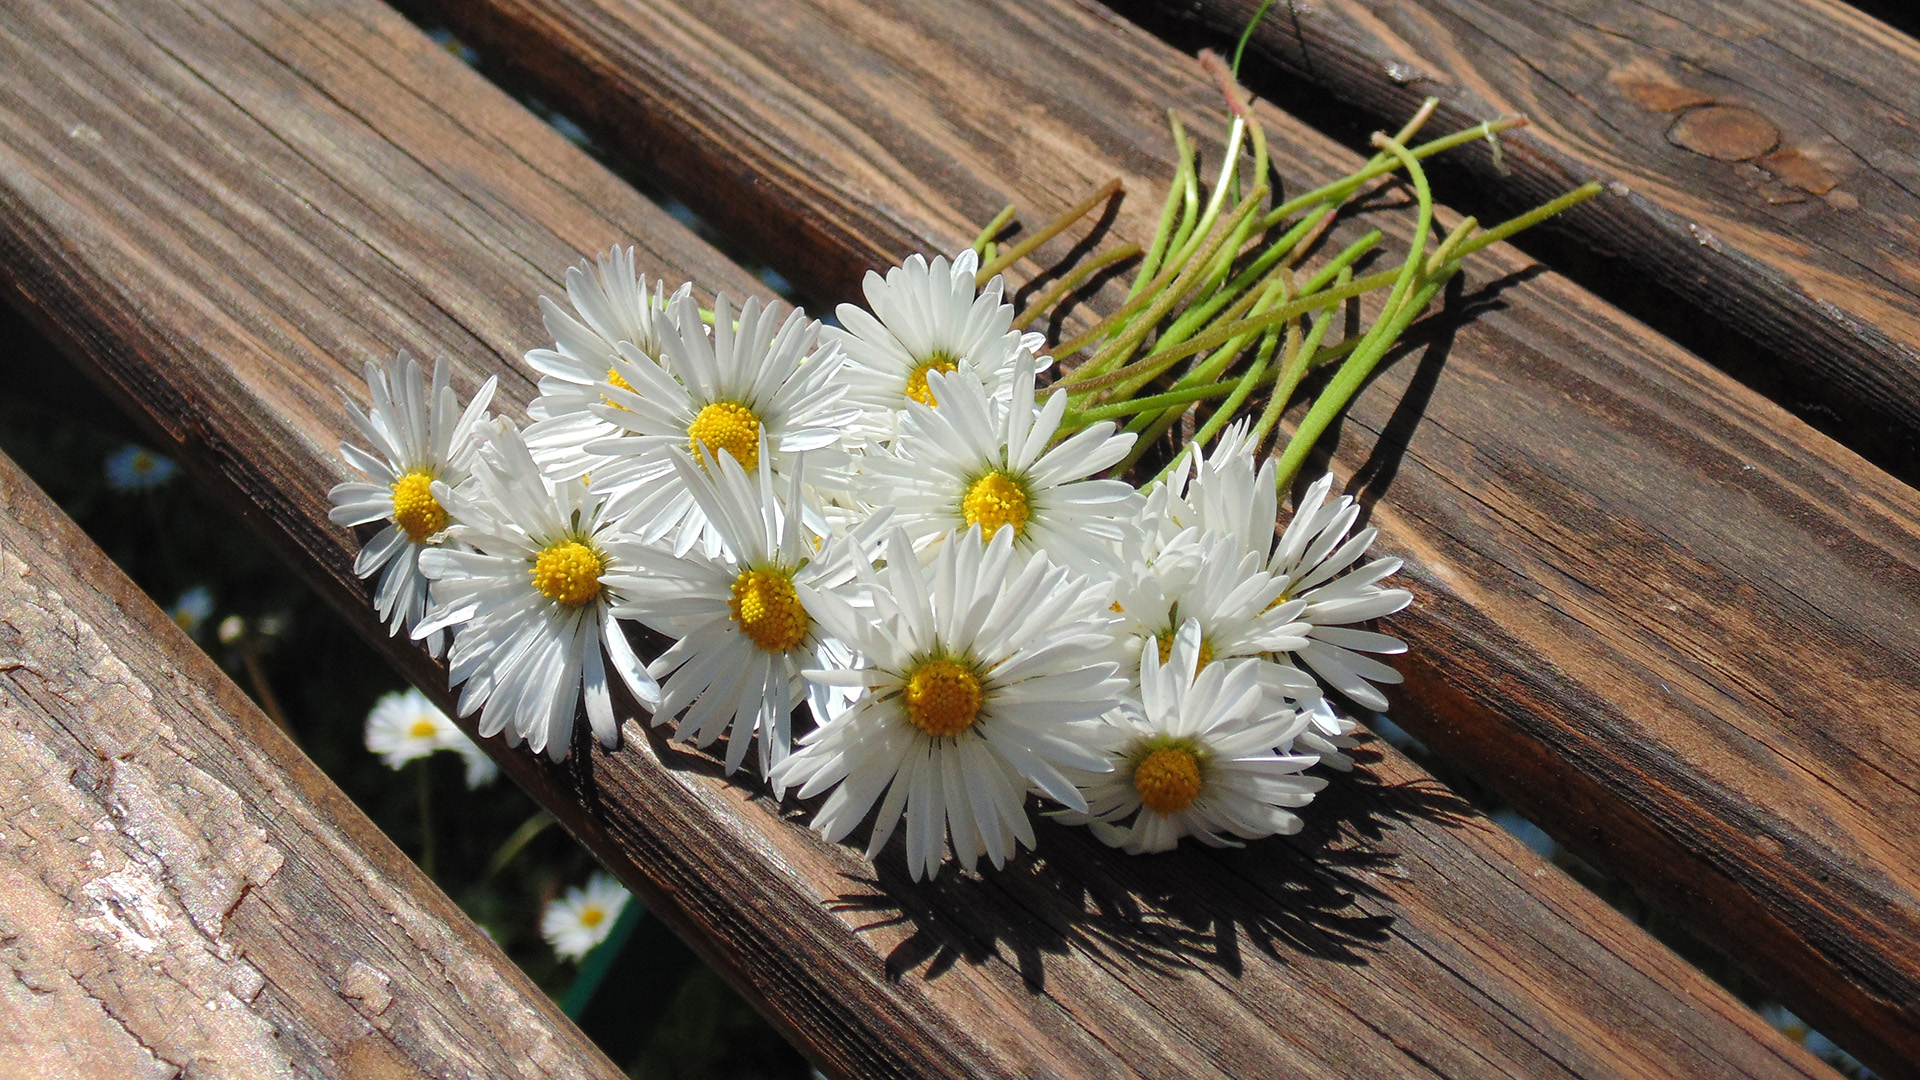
(974, 461)
(925, 319)
(419, 438)
(1196, 759)
(480, 769)
(613, 304)
(743, 618)
(136, 468)
(582, 918)
(192, 608)
(528, 596)
(758, 382)
(404, 725)
(984, 676)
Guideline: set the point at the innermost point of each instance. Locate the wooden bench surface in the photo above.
(182, 890)
(222, 211)
(1768, 145)
(1673, 623)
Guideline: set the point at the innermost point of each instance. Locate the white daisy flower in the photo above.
(985, 673)
(1194, 760)
(925, 318)
(480, 769)
(758, 382)
(404, 725)
(974, 461)
(1315, 555)
(531, 602)
(1209, 580)
(1223, 493)
(192, 608)
(742, 617)
(419, 439)
(614, 305)
(576, 922)
(136, 468)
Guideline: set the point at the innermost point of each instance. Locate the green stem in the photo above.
(1379, 338)
(1169, 210)
(1152, 426)
(1186, 181)
(595, 965)
(425, 777)
(516, 843)
(1277, 291)
(1205, 311)
(1052, 229)
(1085, 417)
(1294, 370)
(1255, 372)
(1252, 324)
(1159, 298)
(1381, 164)
(1145, 371)
(1335, 267)
(992, 230)
(1241, 48)
(1072, 281)
(1529, 219)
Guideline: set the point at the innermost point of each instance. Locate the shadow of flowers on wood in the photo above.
(1315, 895)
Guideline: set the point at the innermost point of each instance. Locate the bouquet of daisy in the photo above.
(931, 529)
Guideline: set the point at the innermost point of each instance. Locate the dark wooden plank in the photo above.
(1768, 145)
(361, 149)
(1671, 621)
(182, 891)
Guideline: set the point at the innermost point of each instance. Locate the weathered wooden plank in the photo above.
(362, 149)
(182, 891)
(1675, 624)
(1768, 146)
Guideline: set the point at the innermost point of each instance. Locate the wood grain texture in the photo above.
(183, 893)
(1769, 147)
(1405, 936)
(1675, 624)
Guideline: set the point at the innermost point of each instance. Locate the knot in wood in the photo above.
(1724, 133)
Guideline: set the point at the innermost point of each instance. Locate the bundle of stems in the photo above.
(1222, 316)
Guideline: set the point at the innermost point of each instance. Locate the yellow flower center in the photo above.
(943, 698)
(729, 426)
(768, 611)
(1168, 779)
(614, 377)
(592, 916)
(1165, 640)
(569, 572)
(917, 381)
(414, 507)
(423, 728)
(993, 501)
